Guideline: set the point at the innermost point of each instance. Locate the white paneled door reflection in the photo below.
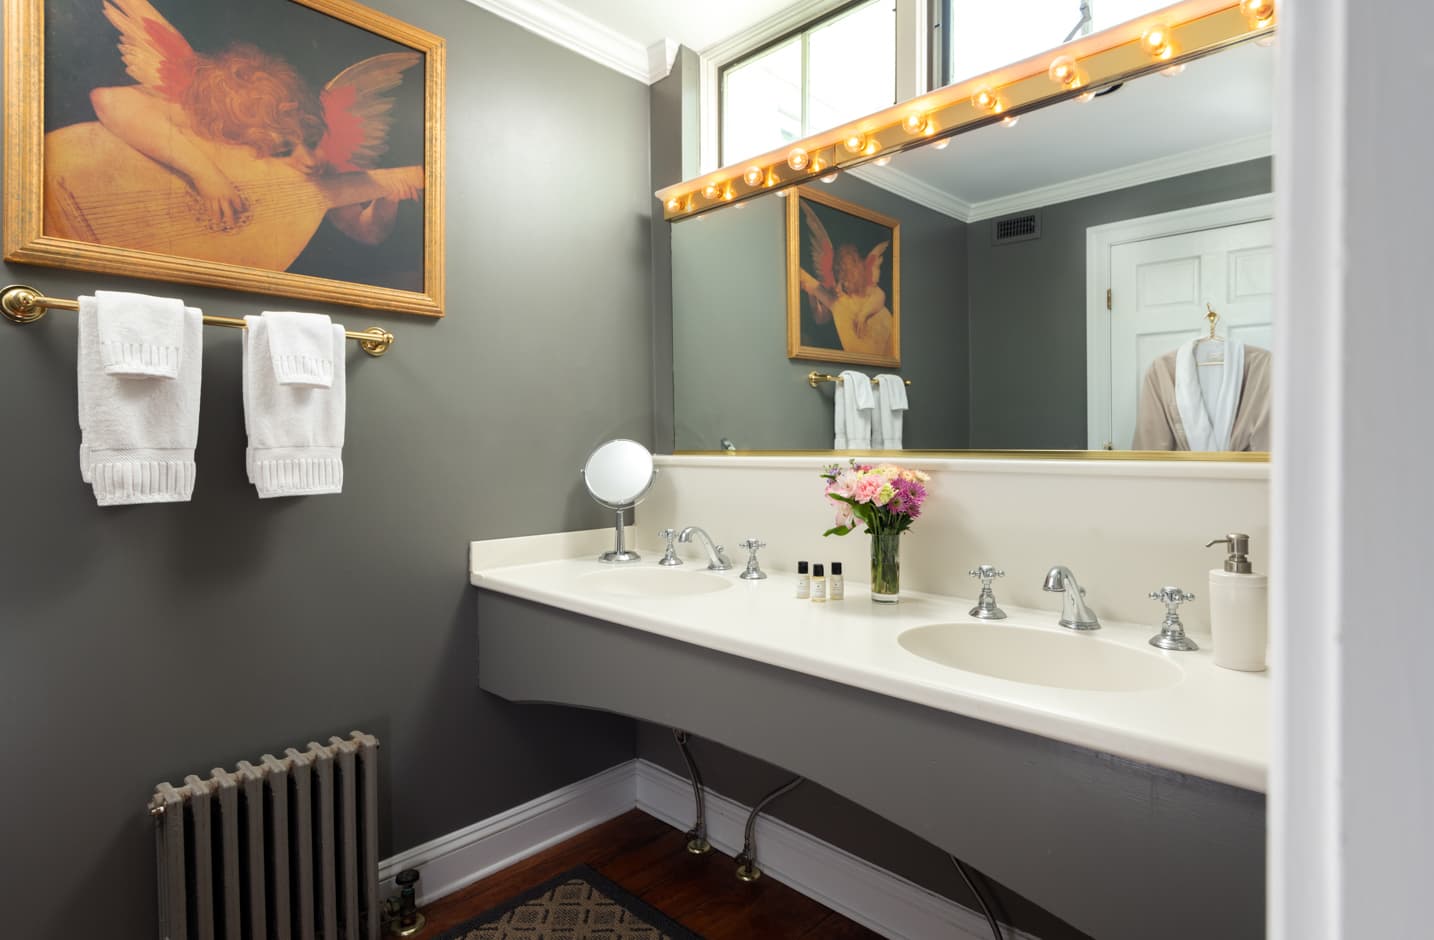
(1159, 291)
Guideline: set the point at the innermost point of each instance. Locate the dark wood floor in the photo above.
(647, 857)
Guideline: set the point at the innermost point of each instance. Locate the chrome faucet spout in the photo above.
(716, 560)
(1075, 614)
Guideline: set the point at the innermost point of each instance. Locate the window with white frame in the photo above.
(835, 69)
(982, 36)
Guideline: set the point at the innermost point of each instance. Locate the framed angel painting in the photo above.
(843, 281)
(289, 147)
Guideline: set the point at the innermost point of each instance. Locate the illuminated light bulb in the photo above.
(941, 144)
(1173, 71)
(674, 204)
(798, 159)
(854, 143)
(728, 193)
(931, 128)
(988, 101)
(1065, 72)
(1010, 120)
(1085, 96)
(882, 160)
(1260, 13)
(754, 176)
(1156, 42)
(915, 123)
(712, 190)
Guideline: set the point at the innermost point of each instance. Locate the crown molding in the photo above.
(909, 187)
(582, 34)
(1206, 158)
(924, 194)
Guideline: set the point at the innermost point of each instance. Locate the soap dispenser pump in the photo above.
(1239, 606)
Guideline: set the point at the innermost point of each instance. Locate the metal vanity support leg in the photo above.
(697, 842)
(747, 869)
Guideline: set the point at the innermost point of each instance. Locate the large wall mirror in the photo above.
(1056, 286)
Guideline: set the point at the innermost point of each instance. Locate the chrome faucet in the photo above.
(716, 561)
(1074, 612)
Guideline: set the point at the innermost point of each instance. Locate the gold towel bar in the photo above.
(21, 304)
(815, 378)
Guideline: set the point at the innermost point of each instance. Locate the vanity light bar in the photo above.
(1188, 30)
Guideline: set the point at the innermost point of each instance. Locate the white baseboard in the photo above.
(871, 896)
(453, 862)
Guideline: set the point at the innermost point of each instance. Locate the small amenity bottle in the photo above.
(819, 585)
(1239, 605)
(804, 582)
(836, 584)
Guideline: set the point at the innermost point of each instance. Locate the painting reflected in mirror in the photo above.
(1095, 277)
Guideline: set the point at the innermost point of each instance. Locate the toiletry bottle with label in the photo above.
(804, 582)
(836, 584)
(1239, 608)
(819, 585)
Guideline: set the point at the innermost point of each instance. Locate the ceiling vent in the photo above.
(1016, 228)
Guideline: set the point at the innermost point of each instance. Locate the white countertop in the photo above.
(1213, 723)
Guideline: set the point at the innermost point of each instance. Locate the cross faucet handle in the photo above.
(1172, 631)
(754, 571)
(986, 608)
(1172, 597)
(669, 558)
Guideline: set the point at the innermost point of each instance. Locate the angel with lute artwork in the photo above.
(230, 156)
(846, 291)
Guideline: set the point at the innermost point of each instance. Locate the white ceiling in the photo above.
(696, 24)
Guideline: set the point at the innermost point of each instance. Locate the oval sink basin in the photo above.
(655, 582)
(1038, 657)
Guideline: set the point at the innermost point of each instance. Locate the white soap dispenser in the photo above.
(1239, 608)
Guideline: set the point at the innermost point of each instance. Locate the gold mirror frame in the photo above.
(1193, 29)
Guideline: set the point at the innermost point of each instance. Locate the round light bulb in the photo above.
(915, 123)
(941, 144)
(1065, 72)
(854, 143)
(674, 204)
(988, 101)
(882, 160)
(1260, 13)
(1156, 43)
(798, 159)
(712, 190)
(754, 176)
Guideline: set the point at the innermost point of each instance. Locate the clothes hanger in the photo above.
(1211, 317)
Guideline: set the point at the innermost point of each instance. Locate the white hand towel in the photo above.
(139, 336)
(852, 407)
(301, 347)
(1209, 428)
(137, 435)
(296, 434)
(890, 411)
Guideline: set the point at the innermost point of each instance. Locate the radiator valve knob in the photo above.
(406, 920)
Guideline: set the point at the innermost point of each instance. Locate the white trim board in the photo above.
(936, 199)
(1099, 241)
(584, 35)
(871, 896)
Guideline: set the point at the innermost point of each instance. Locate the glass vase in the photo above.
(886, 567)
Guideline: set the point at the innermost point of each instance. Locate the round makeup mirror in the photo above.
(618, 475)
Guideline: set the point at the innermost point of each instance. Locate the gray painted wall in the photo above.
(1024, 326)
(141, 644)
(732, 376)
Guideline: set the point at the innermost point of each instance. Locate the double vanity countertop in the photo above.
(1181, 711)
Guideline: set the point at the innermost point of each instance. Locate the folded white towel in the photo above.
(137, 435)
(890, 411)
(301, 347)
(296, 434)
(139, 335)
(853, 411)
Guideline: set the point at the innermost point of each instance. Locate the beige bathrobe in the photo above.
(1157, 418)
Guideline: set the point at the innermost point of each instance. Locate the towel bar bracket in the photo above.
(22, 304)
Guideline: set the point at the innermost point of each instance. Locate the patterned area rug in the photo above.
(577, 905)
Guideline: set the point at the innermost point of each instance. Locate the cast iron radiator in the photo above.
(286, 850)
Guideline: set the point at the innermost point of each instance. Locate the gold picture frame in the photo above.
(843, 281)
(359, 174)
